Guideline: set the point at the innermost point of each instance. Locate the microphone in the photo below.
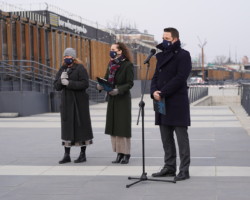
(152, 52)
(68, 70)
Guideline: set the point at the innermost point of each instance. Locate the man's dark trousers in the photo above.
(167, 136)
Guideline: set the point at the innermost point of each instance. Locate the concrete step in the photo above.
(8, 115)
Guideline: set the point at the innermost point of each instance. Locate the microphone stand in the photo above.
(141, 112)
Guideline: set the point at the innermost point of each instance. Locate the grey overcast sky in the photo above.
(224, 24)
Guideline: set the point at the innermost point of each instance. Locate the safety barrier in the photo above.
(195, 93)
(245, 97)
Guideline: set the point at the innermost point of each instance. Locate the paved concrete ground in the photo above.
(30, 151)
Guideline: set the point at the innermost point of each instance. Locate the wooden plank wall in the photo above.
(19, 41)
(1, 38)
(236, 75)
(9, 40)
(219, 75)
(46, 45)
(246, 75)
(99, 58)
(142, 68)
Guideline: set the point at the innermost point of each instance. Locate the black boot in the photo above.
(118, 158)
(66, 159)
(81, 158)
(125, 159)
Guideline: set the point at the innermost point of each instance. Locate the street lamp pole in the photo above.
(202, 45)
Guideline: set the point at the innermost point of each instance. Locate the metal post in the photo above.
(21, 79)
(202, 58)
(201, 45)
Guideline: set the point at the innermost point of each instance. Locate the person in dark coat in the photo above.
(118, 119)
(72, 79)
(169, 83)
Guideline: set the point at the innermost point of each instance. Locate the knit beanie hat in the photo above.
(70, 52)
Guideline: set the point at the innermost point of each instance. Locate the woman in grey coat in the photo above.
(72, 79)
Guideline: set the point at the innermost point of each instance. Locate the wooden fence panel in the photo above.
(142, 68)
(63, 44)
(58, 55)
(99, 58)
(50, 46)
(27, 42)
(19, 40)
(236, 75)
(68, 40)
(78, 47)
(9, 40)
(87, 56)
(246, 75)
(42, 46)
(1, 38)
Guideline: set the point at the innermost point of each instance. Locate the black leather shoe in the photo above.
(118, 158)
(66, 159)
(182, 176)
(125, 159)
(81, 158)
(164, 172)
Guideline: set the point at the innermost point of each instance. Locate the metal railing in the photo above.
(245, 97)
(94, 94)
(26, 75)
(25, 10)
(196, 93)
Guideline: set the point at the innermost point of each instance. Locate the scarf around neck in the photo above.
(172, 48)
(114, 65)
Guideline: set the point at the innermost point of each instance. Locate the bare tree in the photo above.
(220, 60)
(122, 28)
(121, 25)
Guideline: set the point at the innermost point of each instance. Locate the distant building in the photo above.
(245, 60)
(134, 36)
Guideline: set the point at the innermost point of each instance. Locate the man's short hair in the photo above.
(174, 32)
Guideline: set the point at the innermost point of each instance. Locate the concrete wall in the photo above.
(30, 102)
(24, 103)
(217, 101)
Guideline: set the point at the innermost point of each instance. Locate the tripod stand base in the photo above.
(145, 178)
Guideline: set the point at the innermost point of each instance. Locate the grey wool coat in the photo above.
(75, 116)
(118, 117)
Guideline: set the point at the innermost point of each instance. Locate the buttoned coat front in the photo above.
(118, 118)
(75, 115)
(172, 71)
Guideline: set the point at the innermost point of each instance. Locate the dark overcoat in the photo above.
(172, 70)
(118, 117)
(75, 116)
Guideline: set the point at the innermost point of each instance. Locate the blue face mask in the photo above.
(112, 54)
(68, 61)
(166, 44)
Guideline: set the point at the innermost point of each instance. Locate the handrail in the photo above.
(29, 61)
(31, 72)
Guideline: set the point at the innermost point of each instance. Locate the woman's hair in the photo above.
(125, 50)
(77, 61)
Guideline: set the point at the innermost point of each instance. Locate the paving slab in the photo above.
(31, 148)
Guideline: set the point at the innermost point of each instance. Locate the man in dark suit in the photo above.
(170, 82)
